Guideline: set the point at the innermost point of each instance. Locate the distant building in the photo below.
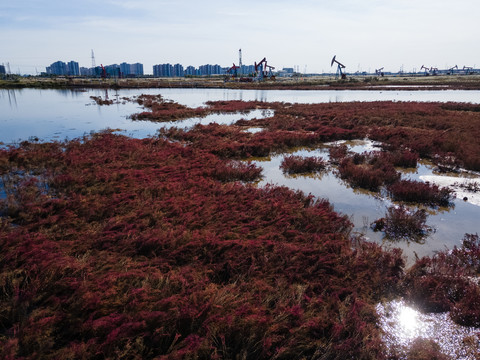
(247, 69)
(73, 69)
(86, 71)
(2, 70)
(113, 70)
(57, 68)
(125, 69)
(209, 69)
(178, 70)
(61, 68)
(136, 69)
(163, 70)
(130, 70)
(191, 71)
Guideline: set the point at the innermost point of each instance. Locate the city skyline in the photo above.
(305, 34)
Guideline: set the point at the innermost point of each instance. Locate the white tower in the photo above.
(240, 61)
(93, 60)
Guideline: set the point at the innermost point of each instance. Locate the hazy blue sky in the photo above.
(364, 35)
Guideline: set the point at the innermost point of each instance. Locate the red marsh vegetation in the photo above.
(420, 192)
(367, 171)
(448, 282)
(293, 164)
(402, 223)
(431, 130)
(161, 109)
(150, 249)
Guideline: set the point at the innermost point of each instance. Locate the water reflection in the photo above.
(12, 98)
(34, 112)
(221, 119)
(401, 324)
(448, 225)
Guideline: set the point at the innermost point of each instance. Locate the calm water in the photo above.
(364, 207)
(61, 114)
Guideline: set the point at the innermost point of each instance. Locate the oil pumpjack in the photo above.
(233, 70)
(452, 70)
(262, 72)
(340, 66)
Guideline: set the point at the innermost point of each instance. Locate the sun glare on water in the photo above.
(408, 322)
(402, 324)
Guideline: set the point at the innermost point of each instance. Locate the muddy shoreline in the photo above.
(393, 83)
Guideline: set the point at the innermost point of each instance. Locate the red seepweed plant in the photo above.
(157, 249)
(445, 282)
(147, 248)
(420, 192)
(293, 164)
(368, 170)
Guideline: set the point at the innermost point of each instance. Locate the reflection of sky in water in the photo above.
(402, 324)
(223, 119)
(59, 114)
(364, 207)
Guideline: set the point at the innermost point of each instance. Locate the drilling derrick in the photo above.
(239, 61)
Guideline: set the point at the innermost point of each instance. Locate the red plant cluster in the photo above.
(100, 101)
(155, 249)
(420, 192)
(375, 169)
(164, 110)
(145, 249)
(167, 110)
(368, 171)
(443, 282)
(337, 153)
(236, 106)
(232, 142)
(427, 129)
(425, 349)
(401, 158)
(401, 223)
(293, 164)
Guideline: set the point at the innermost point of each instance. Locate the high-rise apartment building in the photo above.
(163, 70)
(136, 69)
(190, 70)
(178, 70)
(61, 68)
(125, 69)
(73, 68)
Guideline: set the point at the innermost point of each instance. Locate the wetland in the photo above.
(165, 223)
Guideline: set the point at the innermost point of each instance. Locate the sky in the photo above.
(306, 34)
